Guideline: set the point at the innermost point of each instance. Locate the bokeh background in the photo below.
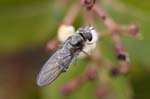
(27, 25)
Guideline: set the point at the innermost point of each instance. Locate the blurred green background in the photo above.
(27, 25)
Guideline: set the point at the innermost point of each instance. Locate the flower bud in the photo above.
(133, 29)
(64, 32)
(69, 87)
(52, 46)
(101, 92)
(88, 3)
(91, 75)
(114, 71)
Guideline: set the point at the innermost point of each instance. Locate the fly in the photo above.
(63, 57)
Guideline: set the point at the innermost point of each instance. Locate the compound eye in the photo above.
(94, 36)
(89, 36)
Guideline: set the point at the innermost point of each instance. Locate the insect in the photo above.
(63, 57)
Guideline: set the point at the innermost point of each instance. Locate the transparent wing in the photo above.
(54, 66)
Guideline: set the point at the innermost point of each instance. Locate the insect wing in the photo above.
(54, 66)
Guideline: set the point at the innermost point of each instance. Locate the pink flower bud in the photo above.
(101, 92)
(133, 29)
(69, 87)
(52, 46)
(124, 69)
(114, 71)
(88, 3)
(91, 75)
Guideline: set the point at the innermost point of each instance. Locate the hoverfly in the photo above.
(63, 57)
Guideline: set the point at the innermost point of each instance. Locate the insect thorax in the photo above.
(76, 43)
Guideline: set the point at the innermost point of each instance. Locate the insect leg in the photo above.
(85, 53)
